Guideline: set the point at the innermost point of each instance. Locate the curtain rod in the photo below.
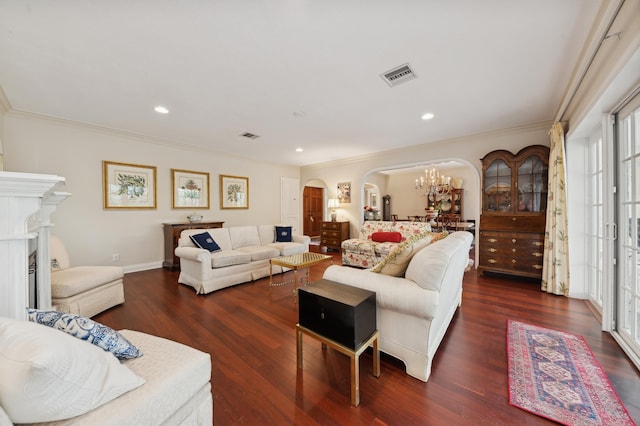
(604, 37)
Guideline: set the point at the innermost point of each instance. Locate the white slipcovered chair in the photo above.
(83, 290)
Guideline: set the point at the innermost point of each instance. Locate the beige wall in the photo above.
(40, 145)
(468, 150)
(406, 201)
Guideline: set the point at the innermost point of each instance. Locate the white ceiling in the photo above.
(228, 67)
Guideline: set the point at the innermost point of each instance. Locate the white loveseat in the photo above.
(244, 256)
(414, 311)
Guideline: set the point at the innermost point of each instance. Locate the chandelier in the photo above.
(433, 183)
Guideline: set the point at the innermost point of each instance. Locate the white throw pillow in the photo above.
(48, 375)
(397, 261)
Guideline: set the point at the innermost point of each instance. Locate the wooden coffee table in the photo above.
(295, 262)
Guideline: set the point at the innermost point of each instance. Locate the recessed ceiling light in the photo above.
(161, 110)
(428, 116)
(299, 113)
(299, 149)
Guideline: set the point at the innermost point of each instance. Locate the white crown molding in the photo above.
(541, 125)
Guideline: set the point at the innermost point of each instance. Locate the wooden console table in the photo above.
(172, 232)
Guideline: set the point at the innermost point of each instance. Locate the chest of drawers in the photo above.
(513, 250)
(333, 234)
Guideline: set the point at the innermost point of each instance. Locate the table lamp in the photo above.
(333, 204)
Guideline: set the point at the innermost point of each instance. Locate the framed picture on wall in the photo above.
(344, 192)
(190, 189)
(373, 200)
(234, 192)
(128, 186)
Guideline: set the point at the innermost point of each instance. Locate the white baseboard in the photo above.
(142, 267)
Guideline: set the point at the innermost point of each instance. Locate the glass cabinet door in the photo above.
(497, 187)
(532, 185)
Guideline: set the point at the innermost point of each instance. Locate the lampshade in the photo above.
(333, 203)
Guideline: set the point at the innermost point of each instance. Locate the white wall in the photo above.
(468, 150)
(91, 234)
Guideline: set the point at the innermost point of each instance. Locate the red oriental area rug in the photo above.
(555, 375)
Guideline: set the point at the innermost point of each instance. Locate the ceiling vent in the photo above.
(249, 135)
(398, 75)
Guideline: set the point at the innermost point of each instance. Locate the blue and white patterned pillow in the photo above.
(86, 329)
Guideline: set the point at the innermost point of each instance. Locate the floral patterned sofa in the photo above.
(364, 252)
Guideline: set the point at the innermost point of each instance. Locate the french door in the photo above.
(628, 214)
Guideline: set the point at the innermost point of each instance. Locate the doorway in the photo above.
(313, 211)
(628, 208)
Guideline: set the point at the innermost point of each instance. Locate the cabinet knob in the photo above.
(322, 315)
(513, 250)
(537, 243)
(537, 266)
(513, 240)
(492, 240)
(513, 219)
(537, 254)
(492, 250)
(492, 261)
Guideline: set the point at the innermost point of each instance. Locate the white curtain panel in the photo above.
(555, 268)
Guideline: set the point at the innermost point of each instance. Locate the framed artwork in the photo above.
(190, 189)
(373, 200)
(344, 192)
(128, 186)
(234, 192)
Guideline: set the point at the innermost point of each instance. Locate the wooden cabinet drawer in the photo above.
(331, 234)
(520, 263)
(512, 223)
(337, 226)
(330, 242)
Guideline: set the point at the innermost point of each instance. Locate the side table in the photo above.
(343, 318)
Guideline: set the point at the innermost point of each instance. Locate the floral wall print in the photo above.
(128, 186)
(234, 192)
(190, 189)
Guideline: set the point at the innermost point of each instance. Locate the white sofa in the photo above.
(414, 311)
(176, 388)
(244, 256)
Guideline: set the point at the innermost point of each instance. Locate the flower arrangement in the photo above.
(370, 209)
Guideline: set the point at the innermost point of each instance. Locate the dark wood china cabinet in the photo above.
(514, 203)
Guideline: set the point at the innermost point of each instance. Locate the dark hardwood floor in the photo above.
(251, 338)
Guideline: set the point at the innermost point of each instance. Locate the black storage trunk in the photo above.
(344, 314)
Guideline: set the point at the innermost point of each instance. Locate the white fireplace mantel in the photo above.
(27, 201)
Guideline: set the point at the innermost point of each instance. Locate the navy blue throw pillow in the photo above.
(204, 241)
(283, 234)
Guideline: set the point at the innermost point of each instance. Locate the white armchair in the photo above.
(83, 290)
